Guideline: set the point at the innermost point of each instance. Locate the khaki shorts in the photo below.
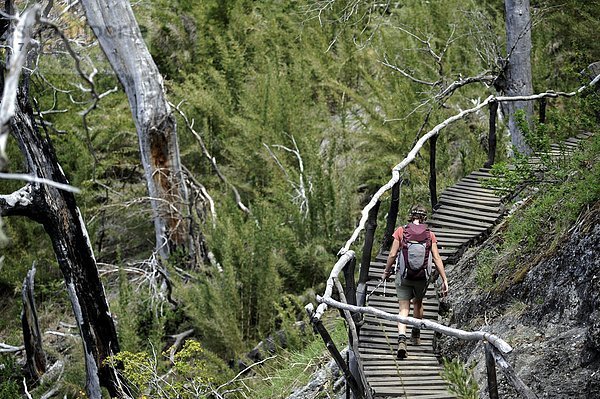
(409, 289)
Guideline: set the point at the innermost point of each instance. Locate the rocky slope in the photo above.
(551, 317)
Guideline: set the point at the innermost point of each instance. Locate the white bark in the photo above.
(498, 342)
(19, 45)
(119, 35)
(518, 68)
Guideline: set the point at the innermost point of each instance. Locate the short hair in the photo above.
(417, 212)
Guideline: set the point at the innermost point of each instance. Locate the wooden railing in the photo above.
(352, 298)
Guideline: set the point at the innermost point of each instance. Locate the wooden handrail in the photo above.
(353, 335)
(347, 255)
(498, 342)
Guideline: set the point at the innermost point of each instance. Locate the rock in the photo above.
(551, 318)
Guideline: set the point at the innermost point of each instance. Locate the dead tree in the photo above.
(35, 356)
(517, 73)
(119, 36)
(56, 210)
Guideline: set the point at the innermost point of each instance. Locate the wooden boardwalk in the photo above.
(466, 212)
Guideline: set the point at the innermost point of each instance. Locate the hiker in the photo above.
(411, 283)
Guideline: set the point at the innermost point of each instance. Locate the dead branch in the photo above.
(19, 47)
(39, 180)
(301, 197)
(177, 344)
(5, 348)
(210, 158)
(35, 364)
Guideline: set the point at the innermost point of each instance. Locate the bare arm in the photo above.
(391, 259)
(439, 265)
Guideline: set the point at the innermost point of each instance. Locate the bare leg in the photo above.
(418, 313)
(404, 310)
(418, 308)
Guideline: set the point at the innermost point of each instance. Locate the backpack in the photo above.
(414, 258)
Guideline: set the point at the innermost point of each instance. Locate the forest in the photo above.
(178, 177)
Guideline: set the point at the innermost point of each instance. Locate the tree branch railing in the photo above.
(497, 346)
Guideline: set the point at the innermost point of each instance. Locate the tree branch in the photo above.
(17, 203)
(35, 179)
(211, 159)
(19, 47)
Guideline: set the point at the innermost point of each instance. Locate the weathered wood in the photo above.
(490, 365)
(35, 363)
(423, 324)
(542, 116)
(354, 361)
(432, 172)
(518, 79)
(468, 205)
(365, 261)
(335, 353)
(392, 215)
(57, 211)
(119, 36)
(471, 198)
(510, 373)
(472, 191)
(337, 269)
(492, 140)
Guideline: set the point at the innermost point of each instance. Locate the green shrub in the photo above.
(10, 378)
(195, 373)
(460, 378)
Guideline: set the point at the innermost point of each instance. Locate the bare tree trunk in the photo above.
(518, 70)
(32, 338)
(57, 211)
(119, 36)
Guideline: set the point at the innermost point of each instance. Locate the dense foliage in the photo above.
(302, 115)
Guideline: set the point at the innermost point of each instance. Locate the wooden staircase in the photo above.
(466, 212)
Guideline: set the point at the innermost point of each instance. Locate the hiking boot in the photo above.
(401, 354)
(415, 336)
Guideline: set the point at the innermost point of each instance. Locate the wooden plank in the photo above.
(408, 379)
(462, 226)
(480, 174)
(472, 184)
(431, 395)
(460, 221)
(469, 206)
(471, 199)
(471, 190)
(461, 212)
(442, 233)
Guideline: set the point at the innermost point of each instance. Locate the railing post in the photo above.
(433, 171)
(391, 218)
(365, 261)
(350, 289)
(543, 103)
(490, 364)
(492, 135)
(337, 356)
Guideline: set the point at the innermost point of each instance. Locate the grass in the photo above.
(536, 231)
(290, 370)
